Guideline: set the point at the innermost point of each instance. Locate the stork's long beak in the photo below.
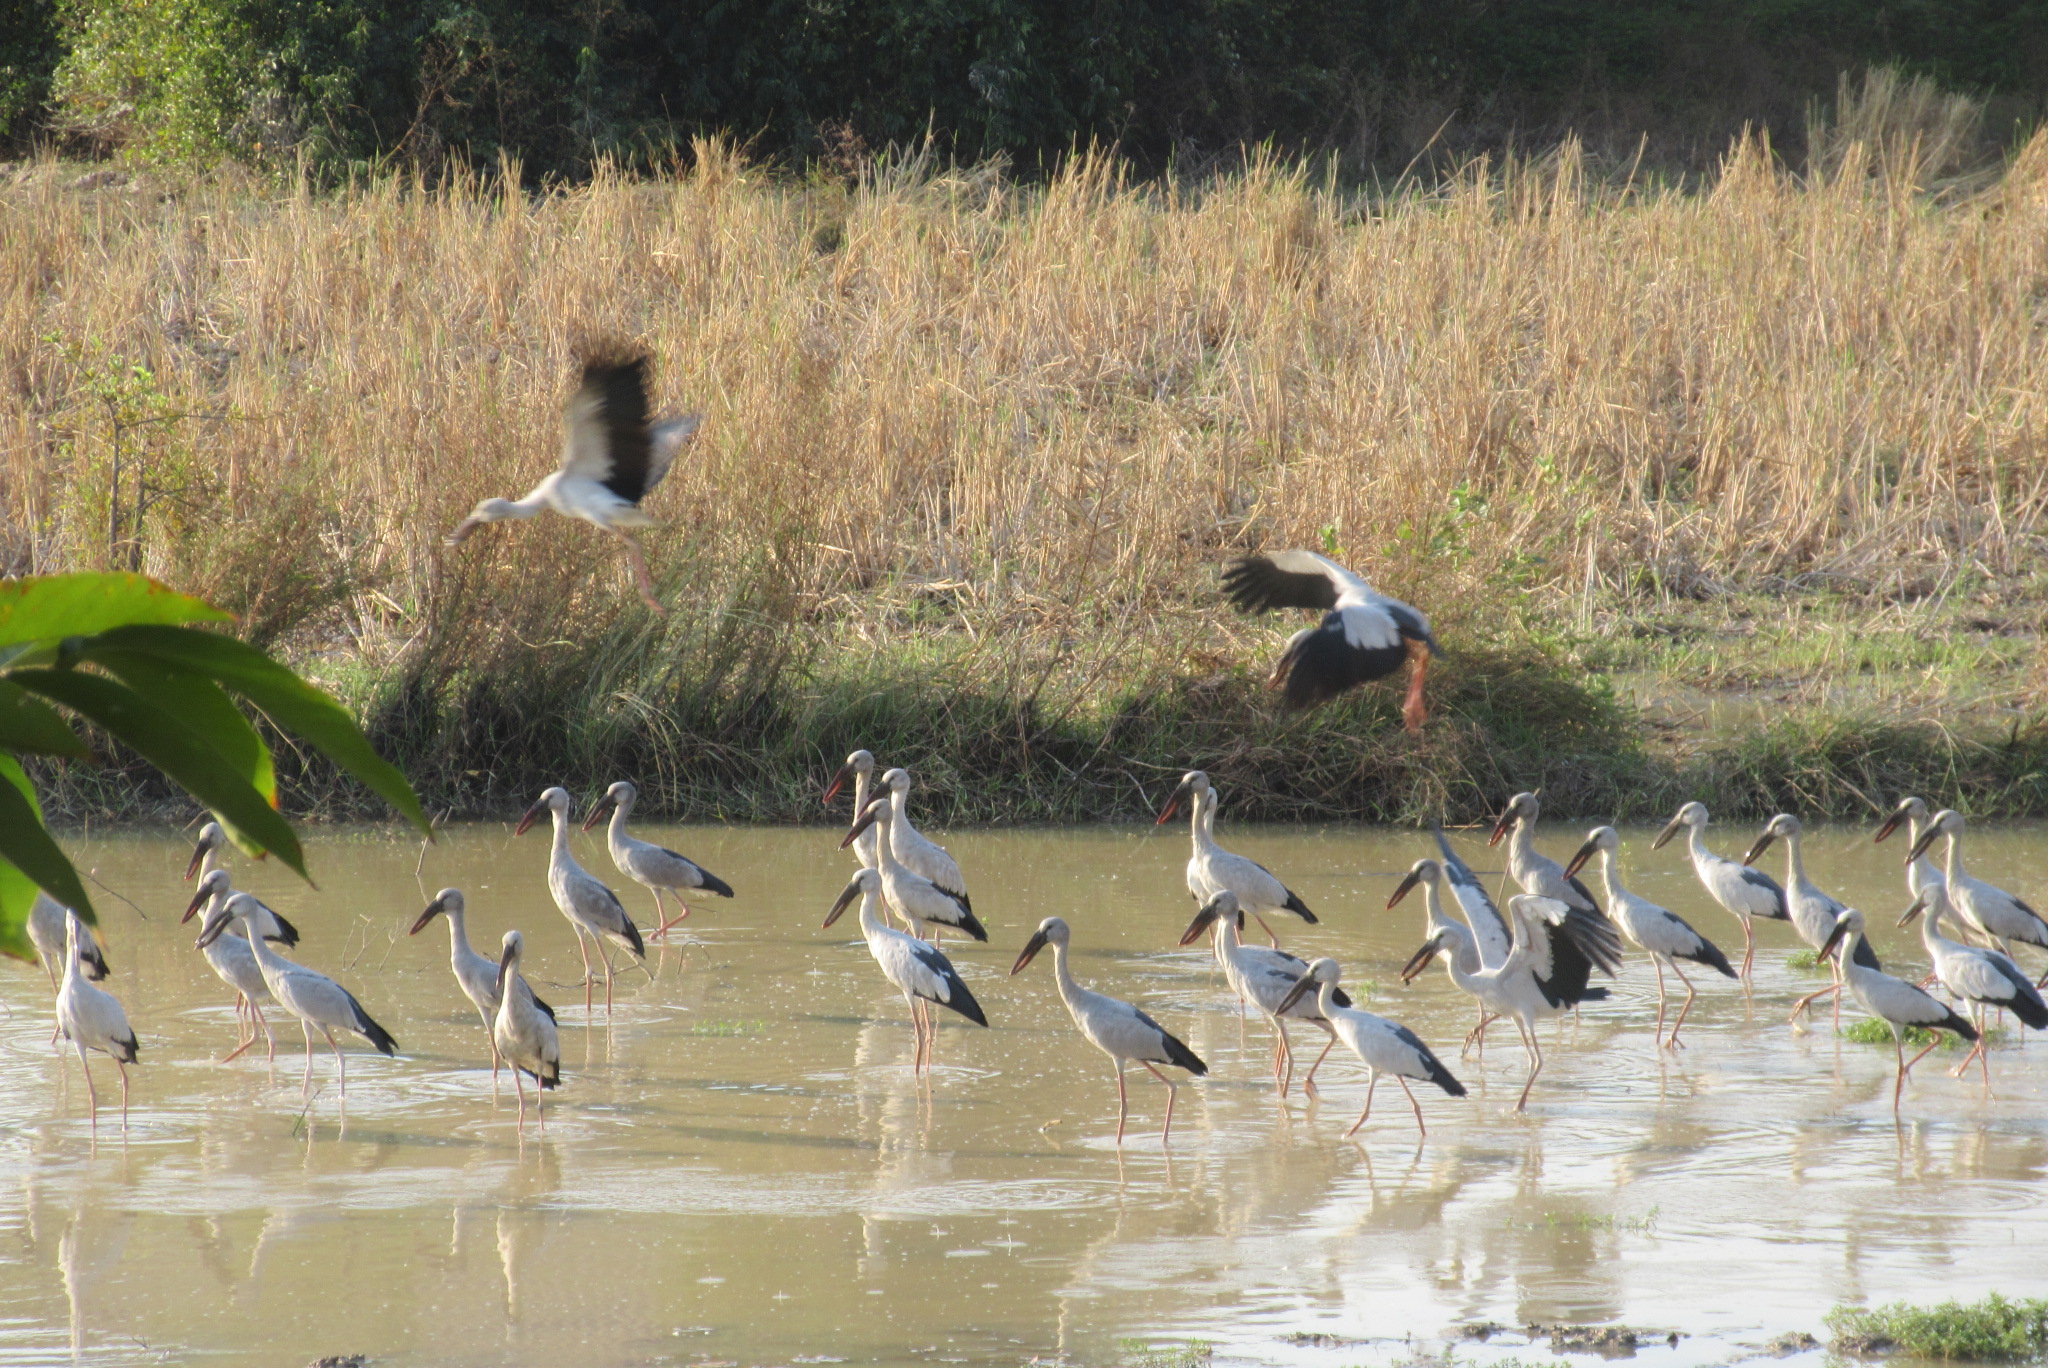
(1500, 827)
(1920, 846)
(1200, 924)
(1405, 887)
(211, 932)
(1420, 960)
(1670, 829)
(846, 897)
(1295, 994)
(1891, 824)
(1578, 860)
(463, 529)
(1763, 843)
(434, 909)
(504, 971)
(527, 820)
(595, 813)
(1834, 939)
(1031, 949)
(198, 901)
(867, 819)
(1919, 906)
(198, 858)
(1172, 805)
(838, 783)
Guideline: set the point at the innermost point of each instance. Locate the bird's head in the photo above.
(508, 958)
(864, 884)
(1600, 840)
(896, 780)
(211, 838)
(488, 511)
(214, 885)
(1321, 971)
(1051, 931)
(1219, 908)
(877, 811)
(1782, 827)
(858, 763)
(1691, 815)
(1420, 960)
(621, 795)
(1947, 822)
(1422, 871)
(448, 900)
(1913, 810)
(1192, 785)
(1850, 923)
(1523, 807)
(550, 800)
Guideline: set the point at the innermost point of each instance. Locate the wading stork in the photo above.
(206, 859)
(1536, 872)
(860, 767)
(1213, 869)
(1893, 1001)
(1381, 1045)
(1813, 914)
(611, 459)
(592, 909)
(91, 1019)
(1665, 935)
(1921, 873)
(919, 970)
(1264, 976)
(478, 976)
(1364, 634)
(1113, 1026)
(1983, 978)
(234, 963)
(523, 1032)
(2001, 916)
(917, 852)
(1745, 892)
(651, 866)
(312, 997)
(921, 903)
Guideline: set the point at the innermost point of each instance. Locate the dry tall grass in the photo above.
(963, 424)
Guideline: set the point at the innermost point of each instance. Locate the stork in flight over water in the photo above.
(611, 458)
(1364, 634)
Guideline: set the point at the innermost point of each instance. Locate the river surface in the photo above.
(741, 1168)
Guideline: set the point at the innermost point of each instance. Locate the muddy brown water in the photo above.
(740, 1167)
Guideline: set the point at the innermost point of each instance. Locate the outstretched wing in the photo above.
(1291, 579)
(605, 435)
(669, 437)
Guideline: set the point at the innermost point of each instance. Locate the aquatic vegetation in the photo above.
(1138, 1353)
(1991, 1329)
(1871, 1031)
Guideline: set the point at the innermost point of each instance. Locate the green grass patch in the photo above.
(1803, 959)
(727, 1028)
(1138, 1353)
(1989, 1330)
(1871, 1031)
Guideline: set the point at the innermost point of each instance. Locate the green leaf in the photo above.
(33, 859)
(29, 724)
(292, 703)
(44, 607)
(199, 703)
(173, 747)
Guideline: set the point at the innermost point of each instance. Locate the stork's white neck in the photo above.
(559, 851)
(1064, 976)
(1955, 859)
(458, 938)
(1202, 821)
(269, 959)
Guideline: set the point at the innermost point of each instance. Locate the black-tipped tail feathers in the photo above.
(1432, 1066)
(371, 1031)
(1710, 955)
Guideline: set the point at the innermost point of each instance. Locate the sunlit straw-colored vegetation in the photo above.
(974, 448)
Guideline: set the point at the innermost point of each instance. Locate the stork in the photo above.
(1214, 869)
(1113, 1026)
(860, 766)
(916, 899)
(1381, 1045)
(1364, 635)
(1813, 914)
(914, 850)
(523, 1032)
(1920, 873)
(919, 970)
(206, 859)
(1892, 1000)
(1536, 872)
(611, 460)
(1666, 936)
(1264, 976)
(651, 866)
(592, 909)
(1999, 915)
(234, 963)
(1512, 988)
(478, 976)
(91, 1019)
(49, 930)
(1983, 978)
(311, 996)
(1747, 893)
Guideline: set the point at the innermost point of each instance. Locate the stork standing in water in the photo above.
(860, 767)
(523, 1032)
(234, 963)
(1113, 1026)
(91, 1019)
(916, 851)
(312, 997)
(1813, 914)
(1920, 873)
(1213, 869)
(1381, 1045)
(478, 976)
(1658, 930)
(1983, 978)
(1364, 635)
(920, 971)
(1536, 872)
(651, 866)
(1892, 1000)
(206, 859)
(1745, 892)
(49, 930)
(916, 899)
(592, 909)
(611, 460)
(1264, 976)
(1999, 915)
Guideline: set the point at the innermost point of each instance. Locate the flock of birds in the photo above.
(1532, 959)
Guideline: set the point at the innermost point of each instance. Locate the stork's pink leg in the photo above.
(638, 560)
(1413, 713)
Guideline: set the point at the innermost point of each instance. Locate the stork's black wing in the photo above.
(608, 418)
(1255, 583)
